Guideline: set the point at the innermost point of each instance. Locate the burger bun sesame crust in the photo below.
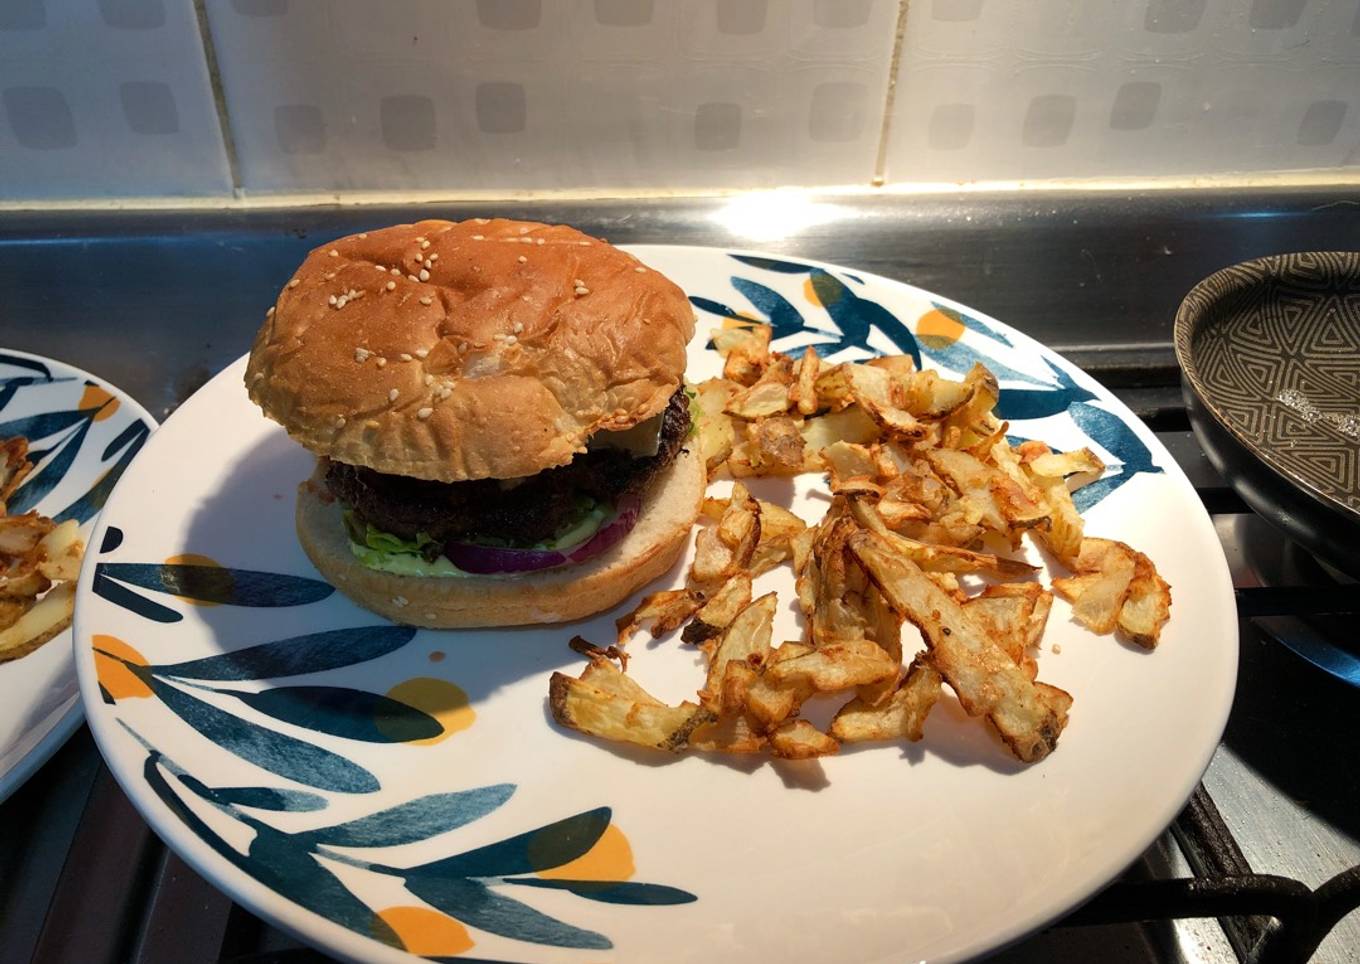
(478, 349)
(669, 510)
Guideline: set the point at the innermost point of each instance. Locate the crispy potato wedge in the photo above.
(836, 666)
(745, 350)
(900, 717)
(803, 394)
(14, 467)
(60, 552)
(1105, 574)
(729, 734)
(763, 399)
(872, 389)
(1148, 605)
(717, 613)
(12, 609)
(800, 740)
(667, 612)
(20, 534)
(716, 433)
(985, 679)
(44, 619)
(746, 640)
(929, 397)
(613, 716)
(723, 550)
(769, 703)
(776, 446)
(851, 426)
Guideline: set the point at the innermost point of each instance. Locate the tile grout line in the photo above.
(890, 97)
(219, 96)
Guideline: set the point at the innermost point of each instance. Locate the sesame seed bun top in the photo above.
(479, 349)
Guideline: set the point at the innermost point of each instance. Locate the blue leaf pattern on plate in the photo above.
(219, 584)
(312, 653)
(415, 819)
(270, 750)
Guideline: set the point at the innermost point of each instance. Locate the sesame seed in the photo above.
(372, 423)
(523, 230)
(330, 275)
(584, 244)
(341, 302)
(582, 290)
(426, 300)
(411, 277)
(361, 355)
(511, 339)
(519, 326)
(640, 270)
(396, 271)
(331, 300)
(424, 246)
(444, 393)
(392, 395)
(404, 356)
(480, 221)
(478, 237)
(380, 267)
(294, 283)
(424, 413)
(434, 257)
(526, 240)
(522, 259)
(422, 352)
(339, 421)
(364, 235)
(579, 283)
(538, 240)
(257, 376)
(334, 253)
(420, 239)
(524, 298)
(424, 275)
(429, 263)
(462, 346)
(391, 286)
(270, 312)
(382, 362)
(429, 380)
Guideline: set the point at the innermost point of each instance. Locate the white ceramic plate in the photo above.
(375, 787)
(84, 432)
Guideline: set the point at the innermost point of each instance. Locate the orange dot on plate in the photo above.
(610, 859)
(427, 932)
(441, 699)
(96, 397)
(195, 559)
(935, 324)
(113, 674)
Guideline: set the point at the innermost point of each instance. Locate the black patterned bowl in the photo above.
(1270, 358)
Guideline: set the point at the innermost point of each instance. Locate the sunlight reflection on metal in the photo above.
(766, 216)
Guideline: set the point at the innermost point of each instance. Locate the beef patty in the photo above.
(526, 511)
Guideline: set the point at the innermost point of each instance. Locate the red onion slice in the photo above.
(482, 560)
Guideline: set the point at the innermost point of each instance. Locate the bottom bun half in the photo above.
(669, 510)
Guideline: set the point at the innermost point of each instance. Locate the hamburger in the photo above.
(499, 418)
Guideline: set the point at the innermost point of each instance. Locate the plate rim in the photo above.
(333, 938)
(66, 723)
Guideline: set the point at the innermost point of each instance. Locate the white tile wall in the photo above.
(106, 97)
(553, 94)
(112, 97)
(990, 90)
